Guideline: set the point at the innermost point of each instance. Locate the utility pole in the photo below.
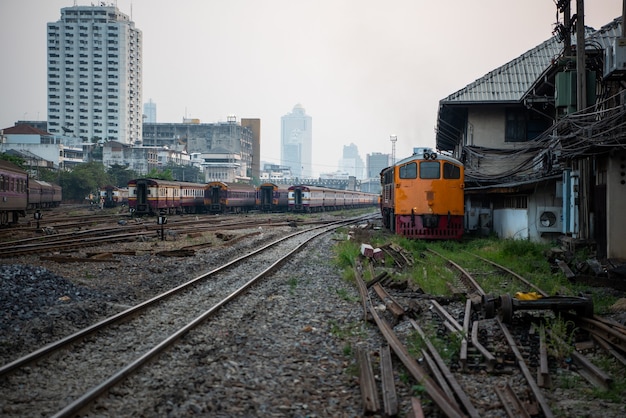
(581, 73)
(567, 23)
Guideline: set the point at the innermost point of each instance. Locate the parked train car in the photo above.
(42, 194)
(13, 192)
(154, 196)
(272, 197)
(112, 196)
(303, 198)
(19, 193)
(222, 197)
(423, 196)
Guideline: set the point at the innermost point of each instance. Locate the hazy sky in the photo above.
(362, 69)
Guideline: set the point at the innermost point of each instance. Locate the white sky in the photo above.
(362, 69)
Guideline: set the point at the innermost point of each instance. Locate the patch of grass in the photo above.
(343, 294)
(568, 380)
(353, 329)
(561, 338)
(432, 275)
(347, 350)
(346, 253)
(293, 282)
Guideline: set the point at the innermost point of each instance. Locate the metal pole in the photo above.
(581, 76)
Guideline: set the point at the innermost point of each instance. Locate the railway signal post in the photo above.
(162, 220)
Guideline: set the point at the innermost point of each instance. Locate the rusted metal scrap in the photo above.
(102, 257)
(177, 253)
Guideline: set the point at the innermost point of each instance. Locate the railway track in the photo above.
(90, 362)
(504, 347)
(128, 232)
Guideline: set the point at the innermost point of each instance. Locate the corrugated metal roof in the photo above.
(510, 82)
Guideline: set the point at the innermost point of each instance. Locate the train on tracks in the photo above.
(272, 197)
(153, 197)
(20, 193)
(303, 198)
(112, 196)
(422, 196)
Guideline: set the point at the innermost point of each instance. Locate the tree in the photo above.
(185, 172)
(18, 161)
(162, 175)
(83, 180)
(46, 174)
(120, 175)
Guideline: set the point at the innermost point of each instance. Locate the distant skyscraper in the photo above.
(376, 162)
(94, 75)
(352, 162)
(149, 112)
(296, 142)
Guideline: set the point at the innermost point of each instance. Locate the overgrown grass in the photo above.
(530, 260)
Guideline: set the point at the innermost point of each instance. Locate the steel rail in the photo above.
(512, 404)
(511, 272)
(543, 403)
(511, 342)
(454, 384)
(91, 395)
(448, 406)
(469, 280)
(50, 348)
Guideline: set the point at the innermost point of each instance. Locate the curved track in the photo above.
(93, 360)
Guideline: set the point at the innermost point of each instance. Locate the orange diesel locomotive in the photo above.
(422, 196)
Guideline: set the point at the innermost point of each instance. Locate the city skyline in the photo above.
(364, 70)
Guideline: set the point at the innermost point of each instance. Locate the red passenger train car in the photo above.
(13, 192)
(223, 197)
(423, 196)
(154, 197)
(42, 194)
(113, 196)
(304, 198)
(272, 197)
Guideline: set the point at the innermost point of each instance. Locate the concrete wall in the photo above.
(486, 126)
(511, 223)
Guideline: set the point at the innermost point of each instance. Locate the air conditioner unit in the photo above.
(549, 219)
(615, 58)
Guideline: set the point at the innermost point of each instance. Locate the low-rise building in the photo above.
(61, 151)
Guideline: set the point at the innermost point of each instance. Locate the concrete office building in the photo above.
(94, 75)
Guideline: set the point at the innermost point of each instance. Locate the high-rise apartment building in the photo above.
(94, 75)
(296, 142)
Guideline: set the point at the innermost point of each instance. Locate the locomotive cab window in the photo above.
(408, 171)
(429, 170)
(451, 171)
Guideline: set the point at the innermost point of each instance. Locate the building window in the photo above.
(515, 130)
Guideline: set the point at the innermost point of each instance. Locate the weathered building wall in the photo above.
(485, 127)
(511, 223)
(616, 206)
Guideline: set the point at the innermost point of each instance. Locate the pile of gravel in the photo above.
(36, 305)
